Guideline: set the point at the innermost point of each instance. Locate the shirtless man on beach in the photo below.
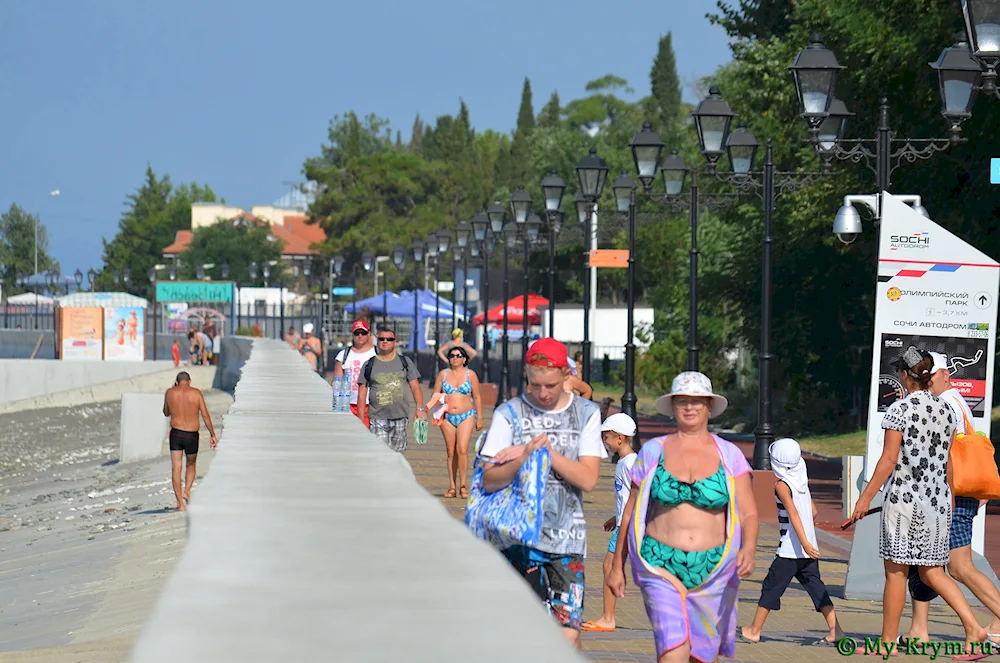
(183, 403)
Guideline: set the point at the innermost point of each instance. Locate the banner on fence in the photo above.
(124, 333)
(81, 333)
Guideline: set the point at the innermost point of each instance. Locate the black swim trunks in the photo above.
(183, 440)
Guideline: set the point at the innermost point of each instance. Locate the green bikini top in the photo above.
(709, 493)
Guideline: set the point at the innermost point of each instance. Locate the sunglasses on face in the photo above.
(361, 332)
(457, 355)
(386, 340)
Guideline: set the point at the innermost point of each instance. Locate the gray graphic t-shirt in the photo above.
(388, 388)
(573, 432)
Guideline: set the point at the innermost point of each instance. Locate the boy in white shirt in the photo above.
(618, 432)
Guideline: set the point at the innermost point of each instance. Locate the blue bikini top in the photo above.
(465, 388)
(709, 493)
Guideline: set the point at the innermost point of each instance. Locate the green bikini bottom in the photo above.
(691, 568)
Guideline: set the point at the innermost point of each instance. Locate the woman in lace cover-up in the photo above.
(916, 513)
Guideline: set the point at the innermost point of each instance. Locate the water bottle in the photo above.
(337, 391)
(345, 403)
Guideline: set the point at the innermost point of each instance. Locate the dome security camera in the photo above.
(847, 224)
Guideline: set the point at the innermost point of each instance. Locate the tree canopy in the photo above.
(17, 247)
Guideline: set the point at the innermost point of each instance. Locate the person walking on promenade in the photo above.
(618, 432)
(459, 389)
(456, 342)
(960, 565)
(381, 390)
(570, 428)
(349, 361)
(183, 404)
(175, 353)
(798, 551)
(310, 346)
(691, 526)
(917, 509)
(292, 338)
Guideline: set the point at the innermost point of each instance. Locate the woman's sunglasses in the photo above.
(456, 355)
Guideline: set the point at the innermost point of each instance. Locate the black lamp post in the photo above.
(444, 241)
(152, 284)
(78, 277)
(529, 235)
(462, 231)
(91, 278)
(367, 263)
(552, 187)
(433, 247)
(624, 189)
(480, 228)
(418, 261)
(495, 213)
(592, 173)
(399, 260)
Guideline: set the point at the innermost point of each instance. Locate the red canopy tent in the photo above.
(515, 311)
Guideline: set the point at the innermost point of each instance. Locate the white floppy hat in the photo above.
(619, 423)
(307, 328)
(940, 362)
(691, 383)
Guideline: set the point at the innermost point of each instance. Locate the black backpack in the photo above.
(367, 368)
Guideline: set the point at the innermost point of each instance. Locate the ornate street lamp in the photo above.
(552, 192)
(591, 174)
(338, 264)
(367, 260)
(552, 187)
(674, 172)
(959, 78)
(225, 270)
(434, 251)
(646, 147)
(815, 70)
(712, 118)
(462, 232)
(520, 205)
(480, 228)
(91, 278)
(78, 277)
(529, 236)
(832, 128)
(741, 149)
(418, 260)
(982, 29)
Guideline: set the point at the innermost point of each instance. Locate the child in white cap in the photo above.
(798, 553)
(618, 433)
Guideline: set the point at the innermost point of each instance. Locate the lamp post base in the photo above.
(585, 369)
(763, 437)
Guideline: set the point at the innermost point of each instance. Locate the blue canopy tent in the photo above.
(401, 306)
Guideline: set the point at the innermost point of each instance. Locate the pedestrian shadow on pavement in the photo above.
(109, 463)
(157, 512)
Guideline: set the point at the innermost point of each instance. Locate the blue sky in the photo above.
(238, 94)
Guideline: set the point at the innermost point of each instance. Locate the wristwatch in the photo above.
(421, 409)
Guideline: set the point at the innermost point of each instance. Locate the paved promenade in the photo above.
(789, 634)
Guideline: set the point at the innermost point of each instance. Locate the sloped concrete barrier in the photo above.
(310, 540)
(143, 427)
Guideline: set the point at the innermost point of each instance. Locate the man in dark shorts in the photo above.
(183, 404)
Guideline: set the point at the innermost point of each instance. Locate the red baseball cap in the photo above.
(548, 352)
(360, 324)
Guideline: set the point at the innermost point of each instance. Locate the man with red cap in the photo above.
(349, 361)
(570, 428)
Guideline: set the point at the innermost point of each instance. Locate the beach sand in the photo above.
(85, 542)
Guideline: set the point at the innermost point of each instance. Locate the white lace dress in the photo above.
(916, 512)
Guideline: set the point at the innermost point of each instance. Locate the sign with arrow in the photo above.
(937, 293)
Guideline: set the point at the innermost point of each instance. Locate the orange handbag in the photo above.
(974, 467)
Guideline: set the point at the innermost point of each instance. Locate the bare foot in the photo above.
(180, 506)
(993, 631)
(604, 623)
(973, 637)
(915, 637)
(187, 497)
(749, 634)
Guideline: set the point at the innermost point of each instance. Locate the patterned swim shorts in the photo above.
(558, 580)
(392, 431)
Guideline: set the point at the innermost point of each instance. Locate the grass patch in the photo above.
(848, 444)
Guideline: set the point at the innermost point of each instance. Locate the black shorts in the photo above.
(780, 575)
(184, 440)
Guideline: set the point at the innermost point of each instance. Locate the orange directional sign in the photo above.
(608, 258)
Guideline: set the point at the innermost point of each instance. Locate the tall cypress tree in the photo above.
(519, 150)
(666, 90)
(417, 136)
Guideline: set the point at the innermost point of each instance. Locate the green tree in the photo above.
(520, 152)
(416, 137)
(551, 114)
(153, 215)
(17, 247)
(666, 91)
(236, 243)
(351, 138)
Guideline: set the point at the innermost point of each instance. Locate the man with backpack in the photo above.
(382, 392)
(347, 365)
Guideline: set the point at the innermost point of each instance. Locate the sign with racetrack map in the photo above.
(938, 293)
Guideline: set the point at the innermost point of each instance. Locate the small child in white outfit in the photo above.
(798, 553)
(618, 433)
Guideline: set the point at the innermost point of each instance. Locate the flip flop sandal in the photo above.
(592, 627)
(969, 657)
(743, 638)
(823, 642)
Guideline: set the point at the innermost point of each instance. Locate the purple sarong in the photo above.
(704, 615)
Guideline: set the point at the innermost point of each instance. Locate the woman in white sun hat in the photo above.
(691, 526)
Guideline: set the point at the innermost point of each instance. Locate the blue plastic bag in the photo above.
(511, 516)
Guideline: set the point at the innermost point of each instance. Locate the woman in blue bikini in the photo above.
(465, 410)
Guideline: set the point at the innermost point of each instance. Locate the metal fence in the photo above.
(40, 317)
